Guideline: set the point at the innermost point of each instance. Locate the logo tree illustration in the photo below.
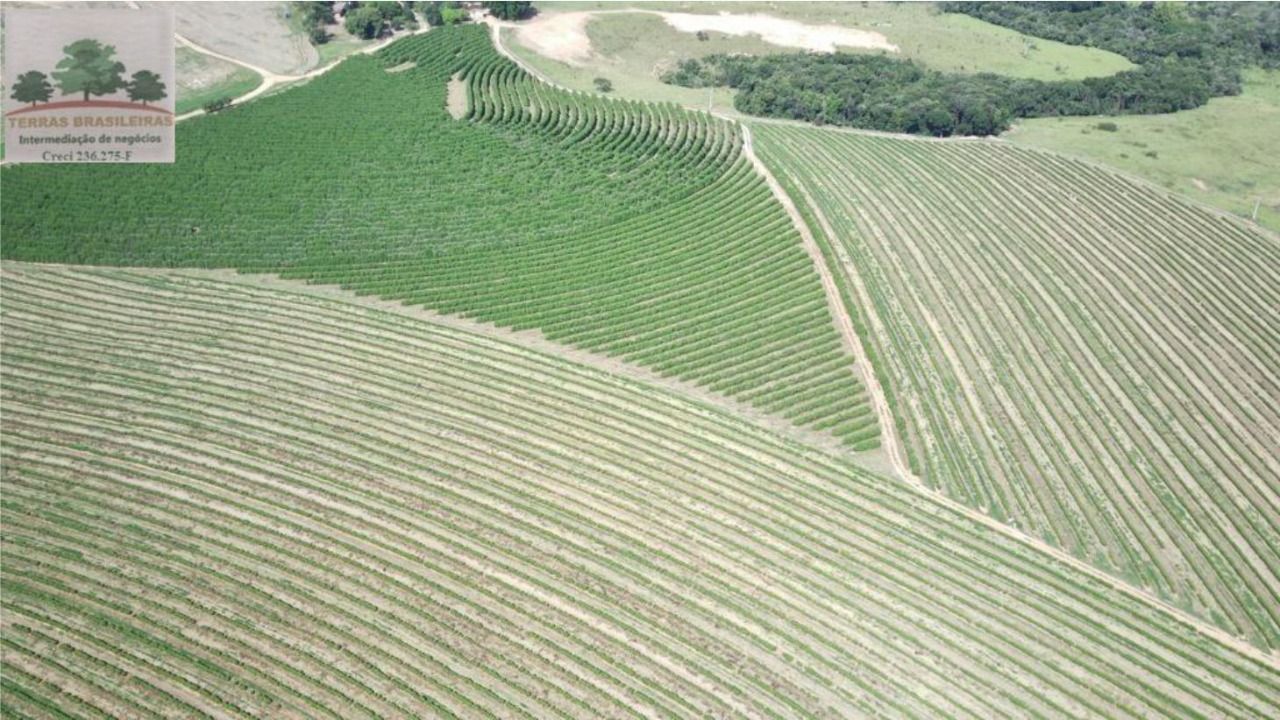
(32, 87)
(89, 68)
(146, 87)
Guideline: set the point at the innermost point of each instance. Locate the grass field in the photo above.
(1223, 154)
(633, 51)
(202, 78)
(227, 499)
(1075, 353)
(637, 231)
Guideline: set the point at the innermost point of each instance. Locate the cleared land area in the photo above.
(1081, 355)
(635, 230)
(1223, 154)
(634, 49)
(231, 500)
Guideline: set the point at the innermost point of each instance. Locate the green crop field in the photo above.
(633, 230)
(1078, 354)
(389, 516)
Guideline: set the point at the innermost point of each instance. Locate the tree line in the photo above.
(375, 19)
(1185, 54)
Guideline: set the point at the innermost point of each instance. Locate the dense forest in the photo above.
(1186, 53)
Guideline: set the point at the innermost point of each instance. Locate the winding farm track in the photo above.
(495, 32)
(891, 443)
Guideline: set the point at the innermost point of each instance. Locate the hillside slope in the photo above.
(635, 230)
(1081, 355)
(227, 499)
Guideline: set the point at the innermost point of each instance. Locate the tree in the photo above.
(603, 85)
(33, 87)
(431, 11)
(146, 87)
(89, 68)
(509, 10)
(453, 13)
(365, 21)
(315, 13)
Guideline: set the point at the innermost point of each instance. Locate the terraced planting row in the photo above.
(1086, 357)
(227, 500)
(631, 229)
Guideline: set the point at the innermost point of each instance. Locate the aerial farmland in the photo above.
(653, 359)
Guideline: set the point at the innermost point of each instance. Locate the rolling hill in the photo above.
(225, 499)
(631, 229)
(1079, 354)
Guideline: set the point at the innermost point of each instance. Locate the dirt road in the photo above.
(839, 315)
(270, 79)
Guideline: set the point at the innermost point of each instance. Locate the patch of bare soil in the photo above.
(776, 31)
(402, 67)
(561, 36)
(457, 97)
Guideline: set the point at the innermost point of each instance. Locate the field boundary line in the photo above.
(889, 440)
(839, 314)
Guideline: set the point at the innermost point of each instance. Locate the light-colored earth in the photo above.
(457, 97)
(777, 31)
(563, 36)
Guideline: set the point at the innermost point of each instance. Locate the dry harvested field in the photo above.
(223, 499)
(1081, 355)
(254, 32)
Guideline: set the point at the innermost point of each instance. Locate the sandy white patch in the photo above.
(563, 36)
(776, 31)
(456, 98)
